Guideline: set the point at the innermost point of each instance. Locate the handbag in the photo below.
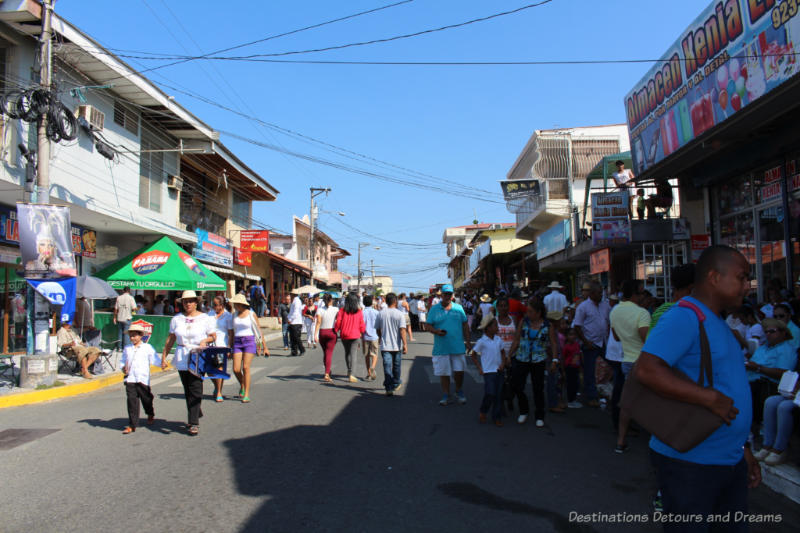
(787, 384)
(680, 425)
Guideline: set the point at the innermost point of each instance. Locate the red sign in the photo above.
(772, 174)
(699, 243)
(254, 240)
(240, 257)
(149, 262)
(146, 326)
(600, 261)
(794, 183)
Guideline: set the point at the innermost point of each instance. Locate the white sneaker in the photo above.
(521, 419)
(540, 423)
(574, 405)
(774, 459)
(761, 454)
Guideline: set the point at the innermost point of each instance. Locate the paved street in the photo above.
(305, 456)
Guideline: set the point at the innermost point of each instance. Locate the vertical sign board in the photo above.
(733, 53)
(45, 241)
(600, 261)
(699, 243)
(611, 225)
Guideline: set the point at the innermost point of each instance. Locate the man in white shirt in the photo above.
(124, 310)
(555, 301)
(592, 326)
(623, 176)
(296, 327)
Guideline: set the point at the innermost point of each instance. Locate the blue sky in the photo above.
(463, 124)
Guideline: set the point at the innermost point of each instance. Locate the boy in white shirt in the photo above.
(491, 364)
(136, 360)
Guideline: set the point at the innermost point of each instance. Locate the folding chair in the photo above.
(108, 352)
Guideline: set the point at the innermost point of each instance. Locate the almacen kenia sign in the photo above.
(734, 52)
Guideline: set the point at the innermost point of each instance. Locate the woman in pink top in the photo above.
(350, 326)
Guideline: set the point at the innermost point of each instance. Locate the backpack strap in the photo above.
(705, 348)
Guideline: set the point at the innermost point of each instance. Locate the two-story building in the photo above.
(141, 166)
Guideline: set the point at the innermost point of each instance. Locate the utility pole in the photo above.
(45, 75)
(315, 191)
(374, 283)
(358, 285)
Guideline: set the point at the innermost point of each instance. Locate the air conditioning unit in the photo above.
(92, 115)
(175, 182)
(496, 226)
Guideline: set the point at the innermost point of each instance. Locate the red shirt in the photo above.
(516, 309)
(572, 354)
(350, 326)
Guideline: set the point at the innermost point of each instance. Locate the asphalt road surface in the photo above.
(309, 456)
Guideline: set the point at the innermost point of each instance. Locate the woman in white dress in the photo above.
(192, 330)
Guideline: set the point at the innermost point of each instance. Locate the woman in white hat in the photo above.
(246, 340)
(192, 330)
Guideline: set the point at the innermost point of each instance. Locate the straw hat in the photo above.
(486, 298)
(239, 299)
(188, 295)
(485, 321)
(769, 323)
(554, 285)
(613, 297)
(136, 328)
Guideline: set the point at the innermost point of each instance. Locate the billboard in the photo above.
(45, 241)
(611, 224)
(240, 257)
(213, 248)
(254, 240)
(553, 240)
(520, 188)
(733, 53)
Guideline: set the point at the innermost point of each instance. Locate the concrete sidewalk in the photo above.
(75, 385)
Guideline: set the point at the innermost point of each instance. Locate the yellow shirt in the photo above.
(626, 319)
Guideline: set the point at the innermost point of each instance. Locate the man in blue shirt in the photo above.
(448, 322)
(714, 476)
(370, 344)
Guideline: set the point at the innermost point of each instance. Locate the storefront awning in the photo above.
(230, 272)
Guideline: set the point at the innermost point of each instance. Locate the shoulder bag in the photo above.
(680, 425)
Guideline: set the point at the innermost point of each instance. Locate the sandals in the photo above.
(219, 399)
(194, 430)
(128, 429)
(327, 379)
(245, 399)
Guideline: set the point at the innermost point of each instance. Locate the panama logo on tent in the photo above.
(149, 262)
(146, 326)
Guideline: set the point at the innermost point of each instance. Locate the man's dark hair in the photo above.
(391, 298)
(126, 289)
(629, 288)
(715, 258)
(682, 276)
(327, 299)
(501, 298)
(785, 307)
(619, 162)
(368, 300)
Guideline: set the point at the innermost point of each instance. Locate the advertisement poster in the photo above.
(699, 243)
(213, 249)
(600, 261)
(611, 225)
(45, 241)
(732, 54)
(553, 240)
(519, 188)
(254, 240)
(9, 227)
(59, 292)
(240, 257)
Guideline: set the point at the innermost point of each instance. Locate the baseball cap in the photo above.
(447, 288)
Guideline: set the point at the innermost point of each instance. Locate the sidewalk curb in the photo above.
(54, 393)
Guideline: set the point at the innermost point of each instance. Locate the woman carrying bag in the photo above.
(247, 342)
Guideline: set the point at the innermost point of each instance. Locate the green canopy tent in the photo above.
(162, 265)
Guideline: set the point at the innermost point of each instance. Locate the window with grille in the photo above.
(125, 117)
(151, 175)
(240, 210)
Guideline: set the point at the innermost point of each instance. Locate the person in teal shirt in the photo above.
(448, 322)
(784, 313)
(775, 357)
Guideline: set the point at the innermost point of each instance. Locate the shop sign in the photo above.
(254, 240)
(213, 248)
(600, 261)
(699, 243)
(84, 242)
(60, 292)
(611, 225)
(519, 188)
(9, 227)
(479, 253)
(772, 174)
(771, 191)
(149, 262)
(553, 240)
(240, 257)
(794, 182)
(45, 242)
(732, 54)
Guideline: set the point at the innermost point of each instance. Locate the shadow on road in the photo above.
(117, 424)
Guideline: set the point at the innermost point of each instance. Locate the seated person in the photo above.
(771, 360)
(69, 340)
(778, 425)
(662, 198)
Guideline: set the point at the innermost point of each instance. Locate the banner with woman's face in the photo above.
(45, 241)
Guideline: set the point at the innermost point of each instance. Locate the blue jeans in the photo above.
(285, 331)
(391, 369)
(695, 489)
(123, 338)
(778, 422)
(589, 384)
(493, 394)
